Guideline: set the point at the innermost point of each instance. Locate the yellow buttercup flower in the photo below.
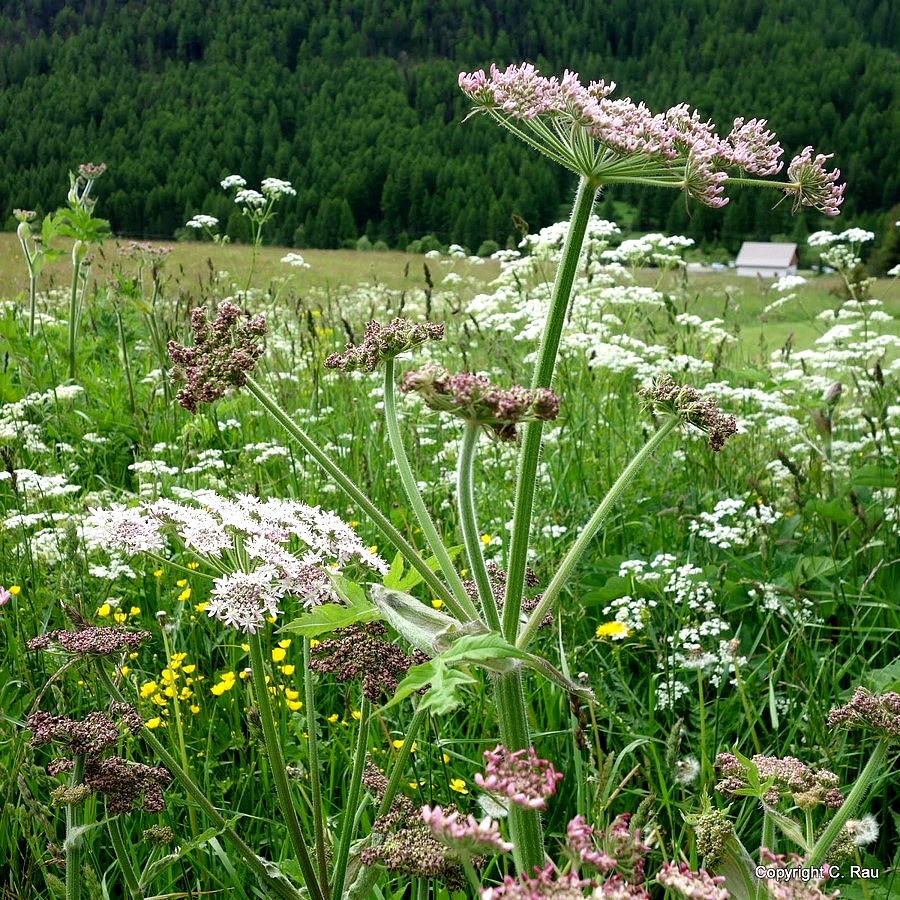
(437, 603)
(458, 785)
(155, 722)
(184, 595)
(288, 669)
(102, 611)
(149, 688)
(278, 654)
(294, 705)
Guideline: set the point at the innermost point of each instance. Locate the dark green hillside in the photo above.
(356, 104)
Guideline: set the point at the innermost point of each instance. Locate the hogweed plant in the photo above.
(277, 564)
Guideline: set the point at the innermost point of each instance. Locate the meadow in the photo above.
(727, 604)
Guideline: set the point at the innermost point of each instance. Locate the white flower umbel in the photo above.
(261, 550)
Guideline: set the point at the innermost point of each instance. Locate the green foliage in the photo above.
(358, 107)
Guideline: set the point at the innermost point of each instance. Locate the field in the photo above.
(725, 603)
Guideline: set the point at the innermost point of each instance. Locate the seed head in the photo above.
(91, 641)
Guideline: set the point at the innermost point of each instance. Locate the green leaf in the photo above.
(445, 691)
(885, 679)
(809, 568)
(394, 577)
(328, 617)
(873, 476)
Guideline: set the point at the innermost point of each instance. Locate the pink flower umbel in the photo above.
(465, 836)
(879, 713)
(618, 141)
(684, 883)
(521, 776)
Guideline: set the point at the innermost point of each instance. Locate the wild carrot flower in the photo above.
(686, 402)
(521, 776)
(266, 549)
(224, 351)
(614, 141)
(475, 399)
(878, 713)
(382, 342)
(700, 885)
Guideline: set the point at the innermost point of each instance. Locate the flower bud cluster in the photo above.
(224, 352)
(790, 778)
(382, 342)
(475, 399)
(521, 776)
(878, 713)
(689, 405)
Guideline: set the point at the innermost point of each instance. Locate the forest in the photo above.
(356, 103)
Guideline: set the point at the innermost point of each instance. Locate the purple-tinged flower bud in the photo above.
(224, 352)
(91, 171)
(382, 342)
(810, 185)
(688, 404)
(878, 713)
(475, 399)
(521, 776)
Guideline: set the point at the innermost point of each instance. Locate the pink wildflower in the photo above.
(697, 885)
(621, 141)
(467, 836)
(521, 776)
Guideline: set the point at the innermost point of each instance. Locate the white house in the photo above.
(767, 259)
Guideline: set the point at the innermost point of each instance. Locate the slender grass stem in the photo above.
(352, 801)
(465, 496)
(593, 525)
(74, 837)
(529, 452)
(309, 690)
(129, 874)
(277, 886)
(382, 523)
(277, 768)
(462, 605)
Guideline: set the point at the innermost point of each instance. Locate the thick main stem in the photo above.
(277, 768)
(462, 605)
(543, 376)
(465, 496)
(593, 525)
(524, 824)
(857, 793)
(382, 523)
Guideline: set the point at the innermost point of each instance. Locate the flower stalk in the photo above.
(309, 690)
(469, 526)
(589, 531)
(129, 875)
(384, 525)
(352, 802)
(277, 768)
(851, 803)
(460, 604)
